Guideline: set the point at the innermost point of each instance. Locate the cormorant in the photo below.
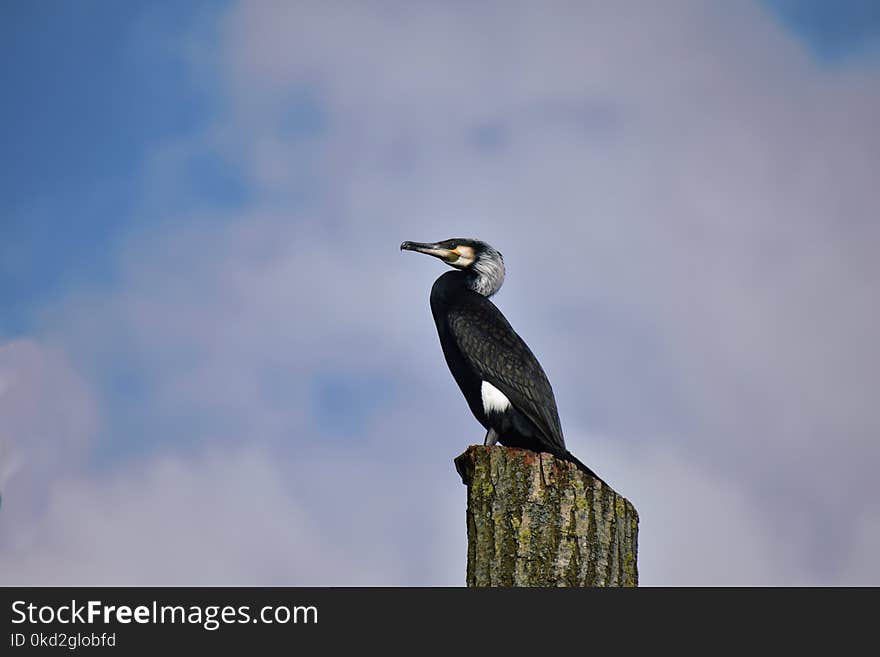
(504, 384)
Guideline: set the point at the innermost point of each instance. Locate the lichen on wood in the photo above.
(535, 520)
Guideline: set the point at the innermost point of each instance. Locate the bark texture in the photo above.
(535, 520)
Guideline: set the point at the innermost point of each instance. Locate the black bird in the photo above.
(502, 381)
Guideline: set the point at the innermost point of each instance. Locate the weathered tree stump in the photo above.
(535, 520)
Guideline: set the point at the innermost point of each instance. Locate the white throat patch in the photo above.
(493, 399)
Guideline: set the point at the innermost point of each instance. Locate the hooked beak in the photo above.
(447, 255)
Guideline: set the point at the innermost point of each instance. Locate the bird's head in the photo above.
(483, 263)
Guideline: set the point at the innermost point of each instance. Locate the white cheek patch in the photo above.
(493, 399)
(465, 256)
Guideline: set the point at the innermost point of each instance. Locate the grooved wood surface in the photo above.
(535, 520)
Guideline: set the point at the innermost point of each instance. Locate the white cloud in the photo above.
(223, 519)
(861, 562)
(242, 516)
(47, 421)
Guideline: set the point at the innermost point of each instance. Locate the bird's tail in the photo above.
(571, 458)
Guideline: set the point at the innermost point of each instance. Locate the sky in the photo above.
(217, 368)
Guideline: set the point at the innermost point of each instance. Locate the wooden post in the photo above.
(535, 520)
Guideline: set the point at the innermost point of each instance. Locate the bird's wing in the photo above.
(495, 351)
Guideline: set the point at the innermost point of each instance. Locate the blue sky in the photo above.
(832, 30)
(95, 86)
(201, 205)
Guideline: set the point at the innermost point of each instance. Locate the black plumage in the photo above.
(481, 347)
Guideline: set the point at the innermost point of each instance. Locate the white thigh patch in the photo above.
(493, 399)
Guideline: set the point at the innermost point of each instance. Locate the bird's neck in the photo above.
(485, 276)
